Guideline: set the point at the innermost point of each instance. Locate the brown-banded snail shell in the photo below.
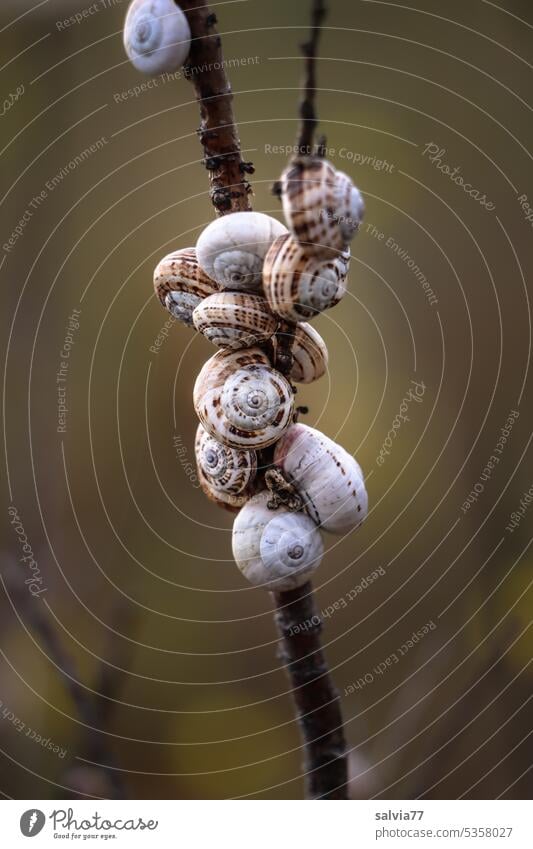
(322, 207)
(241, 400)
(231, 250)
(328, 479)
(235, 319)
(180, 284)
(275, 549)
(157, 36)
(298, 286)
(227, 475)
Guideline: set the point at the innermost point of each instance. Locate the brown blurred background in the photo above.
(138, 586)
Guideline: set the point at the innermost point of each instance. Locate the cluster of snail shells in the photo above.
(247, 282)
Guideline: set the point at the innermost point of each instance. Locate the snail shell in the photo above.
(227, 475)
(329, 480)
(241, 400)
(180, 284)
(322, 207)
(235, 319)
(231, 250)
(310, 354)
(157, 36)
(349, 207)
(298, 286)
(275, 549)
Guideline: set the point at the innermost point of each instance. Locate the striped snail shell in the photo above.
(180, 284)
(275, 549)
(349, 207)
(298, 286)
(235, 319)
(322, 207)
(157, 36)
(241, 400)
(227, 475)
(231, 250)
(310, 354)
(329, 480)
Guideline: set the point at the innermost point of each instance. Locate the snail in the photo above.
(231, 250)
(328, 479)
(298, 286)
(275, 549)
(227, 475)
(235, 319)
(322, 207)
(180, 284)
(310, 355)
(241, 400)
(157, 36)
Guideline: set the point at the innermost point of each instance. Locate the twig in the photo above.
(317, 701)
(230, 191)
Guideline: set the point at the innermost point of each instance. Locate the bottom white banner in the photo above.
(262, 824)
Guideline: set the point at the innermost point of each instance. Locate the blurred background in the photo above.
(128, 586)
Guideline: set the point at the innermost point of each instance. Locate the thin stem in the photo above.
(316, 699)
(230, 191)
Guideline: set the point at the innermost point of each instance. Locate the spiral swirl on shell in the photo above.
(277, 550)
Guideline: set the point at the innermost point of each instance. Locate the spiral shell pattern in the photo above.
(235, 319)
(277, 550)
(157, 36)
(329, 480)
(241, 400)
(232, 249)
(180, 284)
(322, 207)
(297, 286)
(227, 475)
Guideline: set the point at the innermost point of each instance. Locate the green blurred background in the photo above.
(136, 563)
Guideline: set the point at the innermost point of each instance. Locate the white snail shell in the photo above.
(329, 480)
(235, 319)
(227, 475)
(231, 250)
(157, 36)
(298, 286)
(322, 207)
(310, 354)
(180, 284)
(241, 400)
(275, 549)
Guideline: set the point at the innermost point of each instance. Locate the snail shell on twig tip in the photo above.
(157, 36)
(180, 284)
(232, 249)
(329, 480)
(322, 207)
(275, 549)
(241, 400)
(297, 286)
(235, 319)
